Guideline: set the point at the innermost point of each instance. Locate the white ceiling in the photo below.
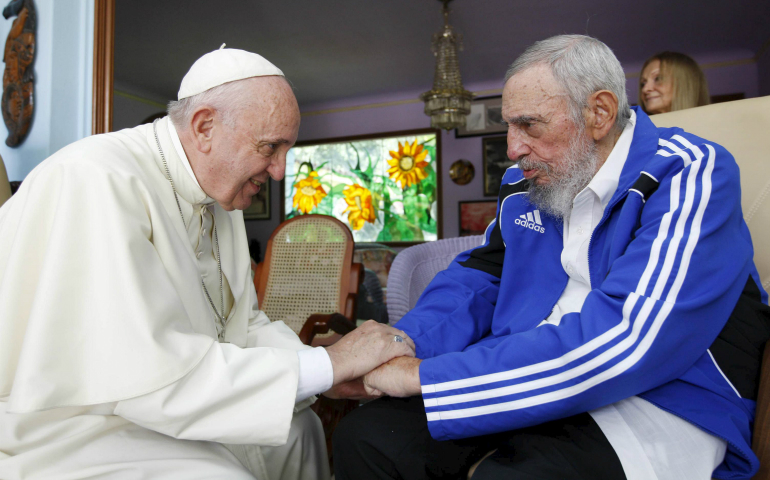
(339, 49)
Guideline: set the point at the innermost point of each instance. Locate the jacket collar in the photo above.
(643, 147)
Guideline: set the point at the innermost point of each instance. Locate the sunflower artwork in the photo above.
(385, 189)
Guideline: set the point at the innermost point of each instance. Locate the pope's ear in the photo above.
(202, 125)
(603, 110)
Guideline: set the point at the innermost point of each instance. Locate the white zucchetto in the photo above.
(223, 66)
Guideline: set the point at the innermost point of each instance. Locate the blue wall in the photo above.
(63, 81)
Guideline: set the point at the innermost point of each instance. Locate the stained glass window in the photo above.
(384, 188)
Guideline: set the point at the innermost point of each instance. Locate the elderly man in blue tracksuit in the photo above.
(611, 325)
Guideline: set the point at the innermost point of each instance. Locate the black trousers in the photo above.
(389, 439)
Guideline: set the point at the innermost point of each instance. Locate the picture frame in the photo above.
(365, 169)
(260, 204)
(475, 216)
(485, 118)
(496, 162)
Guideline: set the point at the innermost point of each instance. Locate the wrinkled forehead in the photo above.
(270, 113)
(532, 92)
(270, 92)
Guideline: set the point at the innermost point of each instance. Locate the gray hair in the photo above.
(226, 99)
(581, 65)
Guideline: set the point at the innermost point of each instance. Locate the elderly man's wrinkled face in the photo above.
(253, 149)
(556, 156)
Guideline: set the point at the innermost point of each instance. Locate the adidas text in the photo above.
(531, 221)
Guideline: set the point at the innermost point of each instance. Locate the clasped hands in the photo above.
(368, 363)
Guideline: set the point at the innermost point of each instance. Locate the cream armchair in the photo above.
(743, 128)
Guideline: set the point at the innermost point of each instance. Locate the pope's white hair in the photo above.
(581, 65)
(227, 99)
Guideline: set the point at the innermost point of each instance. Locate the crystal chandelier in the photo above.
(447, 103)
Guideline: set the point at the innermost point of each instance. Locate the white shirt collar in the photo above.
(180, 151)
(606, 180)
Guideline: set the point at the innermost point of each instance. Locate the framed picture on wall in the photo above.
(486, 118)
(475, 216)
(496, 162)
(385, 187)
(260, 204)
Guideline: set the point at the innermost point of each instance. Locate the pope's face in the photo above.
(540, 127)
(247, 154)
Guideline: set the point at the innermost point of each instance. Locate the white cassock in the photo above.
(109, 364)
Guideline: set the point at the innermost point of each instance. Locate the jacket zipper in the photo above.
(605, 215)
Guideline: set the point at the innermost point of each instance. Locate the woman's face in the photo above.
(657, 91)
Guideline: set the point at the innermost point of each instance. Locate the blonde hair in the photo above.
(689, 83)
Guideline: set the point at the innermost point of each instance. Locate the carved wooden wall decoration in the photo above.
(18, 77)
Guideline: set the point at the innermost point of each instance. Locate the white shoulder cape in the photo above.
(100, 297)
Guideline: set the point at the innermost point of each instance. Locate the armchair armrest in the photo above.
(322, 323)
(356, 279)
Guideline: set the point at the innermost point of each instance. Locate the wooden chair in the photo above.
(742, 127)
(308, 269)
(309, 281)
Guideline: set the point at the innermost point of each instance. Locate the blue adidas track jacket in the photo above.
(676, 314)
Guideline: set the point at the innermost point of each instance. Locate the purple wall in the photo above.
(723, 80)
(743, 77)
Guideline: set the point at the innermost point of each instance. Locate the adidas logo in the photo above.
(531, 221)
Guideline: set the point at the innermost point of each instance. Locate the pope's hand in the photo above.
(399, 377)
(366, 348)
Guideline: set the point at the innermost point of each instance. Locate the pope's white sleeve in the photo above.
(264, 333)
(234, 395)
(315, 373)
(315, 366)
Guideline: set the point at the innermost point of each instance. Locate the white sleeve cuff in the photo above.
(315, 372)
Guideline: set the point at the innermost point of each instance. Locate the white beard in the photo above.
(577, 167)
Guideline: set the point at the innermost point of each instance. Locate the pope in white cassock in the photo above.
(131, 346)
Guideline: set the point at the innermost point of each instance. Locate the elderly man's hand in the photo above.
(399, 377)
(366, 348)
(354, 390)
